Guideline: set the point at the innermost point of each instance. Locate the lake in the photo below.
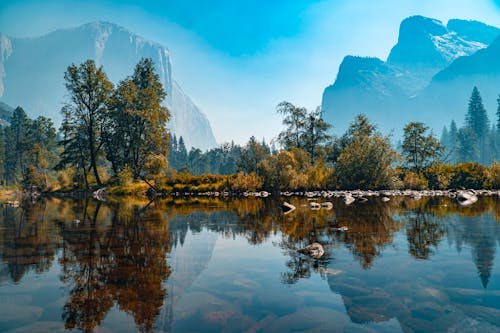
(231, 265)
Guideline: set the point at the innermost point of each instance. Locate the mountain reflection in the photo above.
(141, 257)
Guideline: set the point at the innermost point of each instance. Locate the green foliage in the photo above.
(136, 130)
(85, 117)
(439, 176)
(304, 130)
(251, 155)
(31, 151)
(366, 158)
(469, 175)
(468, 146)
(477, 120)
(420, 149)
(294, 119)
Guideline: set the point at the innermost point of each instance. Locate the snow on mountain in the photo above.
(386, 91)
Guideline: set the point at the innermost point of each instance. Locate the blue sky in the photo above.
(239, 59)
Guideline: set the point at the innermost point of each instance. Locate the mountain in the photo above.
(399, 90)
(32, 69)
(5, 113)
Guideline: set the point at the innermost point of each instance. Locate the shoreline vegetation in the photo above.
(113, 141)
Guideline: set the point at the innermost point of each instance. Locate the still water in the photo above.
(227, 265)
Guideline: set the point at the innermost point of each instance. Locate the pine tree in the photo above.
(453, 142)
(468, 148)
(477, 119)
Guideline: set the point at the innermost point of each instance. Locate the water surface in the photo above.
(231, 265)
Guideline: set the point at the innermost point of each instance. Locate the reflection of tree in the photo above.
(482, 234)
(28, 241)
(370, 228)
(123, 262)
(423, 232)
(138, 268)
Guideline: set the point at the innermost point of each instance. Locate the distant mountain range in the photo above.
(32, 69)
(428, 76)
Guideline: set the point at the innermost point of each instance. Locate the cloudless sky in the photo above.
(238, 59)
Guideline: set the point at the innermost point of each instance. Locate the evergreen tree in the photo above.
(182, 155)
(2, 156)
(419, 148)
(251, 154)
(498, 113)
(445, 137)
(452, 149)
(468, 149)
(477, 119)
(86, 114)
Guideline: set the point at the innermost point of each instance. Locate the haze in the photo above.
(239, 59)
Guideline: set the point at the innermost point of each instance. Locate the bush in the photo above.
(493, 176)
(414, 181)
(469, 175)
(242, 182)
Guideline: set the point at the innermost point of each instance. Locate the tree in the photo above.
(366, 160)
(468, 149)
(315, 134)
(251, 154)
(41, 152)
(138, 120)
(295, 119)
(360, 127)
(477, 119)
(452, 142)
(30, 152)
(498, 113)
(85, 114)
(420, 149)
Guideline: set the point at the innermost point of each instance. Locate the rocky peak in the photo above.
(426, 43)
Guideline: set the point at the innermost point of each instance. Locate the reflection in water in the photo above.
(122, 262)
(141, 259)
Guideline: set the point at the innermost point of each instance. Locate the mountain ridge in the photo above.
(37, 65)
(391, 92)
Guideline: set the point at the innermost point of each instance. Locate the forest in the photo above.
(116, 137)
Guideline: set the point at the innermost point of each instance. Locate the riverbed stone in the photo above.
(310, 319)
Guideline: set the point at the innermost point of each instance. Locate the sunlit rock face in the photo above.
(32, 69)
(400, 89)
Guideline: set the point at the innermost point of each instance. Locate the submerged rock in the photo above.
(315, 250)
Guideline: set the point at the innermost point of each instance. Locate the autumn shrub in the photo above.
(468, 175)
(124, 177)
(242, 182)
(439, 176)
(492, 176)
(414, 181)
